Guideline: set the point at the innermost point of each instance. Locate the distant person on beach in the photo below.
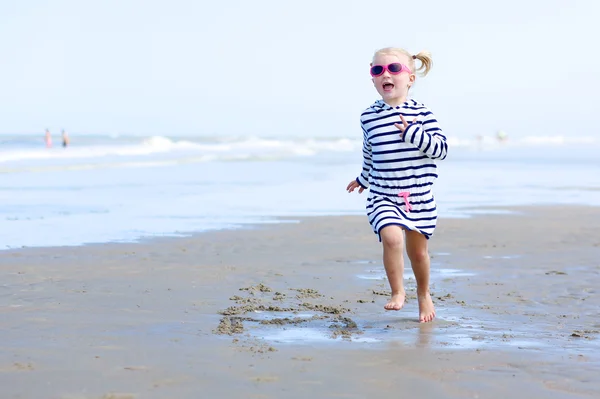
(401, 142)
(65, 139)
(48, 139)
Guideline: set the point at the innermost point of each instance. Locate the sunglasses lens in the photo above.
(376, 70)
(395, 67)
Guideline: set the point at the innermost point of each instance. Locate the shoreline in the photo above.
(298, 307)
(462, 212)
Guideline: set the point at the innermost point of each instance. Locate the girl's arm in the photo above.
(363, 178)
(427, 136)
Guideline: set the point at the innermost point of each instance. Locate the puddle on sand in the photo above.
(467, 330)
(473, 331)
(442, 334)
(451, 273)
(299, 335)
(379, 274)
(462, 341)
(446, 332)
(502, 257)
(372, 275)
(303, 328)
(264, 315)
(491, 334)
(308, 328)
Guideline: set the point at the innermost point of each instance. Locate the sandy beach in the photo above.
(295, 309)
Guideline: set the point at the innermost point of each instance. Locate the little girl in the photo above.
(401, 141)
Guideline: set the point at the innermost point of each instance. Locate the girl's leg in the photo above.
(416, 248)
(392, 238)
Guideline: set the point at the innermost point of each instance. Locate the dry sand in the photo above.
(296, 309)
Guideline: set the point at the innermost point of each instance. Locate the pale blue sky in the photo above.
(292, 68)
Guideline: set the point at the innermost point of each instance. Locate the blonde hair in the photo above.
(423, 56)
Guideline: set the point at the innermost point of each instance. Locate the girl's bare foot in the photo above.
(426, 308)
(397, 301)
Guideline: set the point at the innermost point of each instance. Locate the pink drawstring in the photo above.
(405, 195)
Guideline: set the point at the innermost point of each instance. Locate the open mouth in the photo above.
(388, 86)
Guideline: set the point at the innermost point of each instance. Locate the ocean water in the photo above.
(119, 188)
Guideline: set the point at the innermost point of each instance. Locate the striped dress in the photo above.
(399, 170)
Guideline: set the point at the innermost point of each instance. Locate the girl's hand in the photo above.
(353, 185)
(402, 127)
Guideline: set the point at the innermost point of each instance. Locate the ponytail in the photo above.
(426, 62)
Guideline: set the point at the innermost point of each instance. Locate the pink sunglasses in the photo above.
(395, 68)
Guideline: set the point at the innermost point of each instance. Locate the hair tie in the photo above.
(414, 57)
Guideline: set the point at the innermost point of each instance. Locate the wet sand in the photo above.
(296, 309)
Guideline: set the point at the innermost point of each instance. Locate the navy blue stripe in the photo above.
(379, 200)
(405, 168)
(405, 216)
(421, 141)
(396, 160)
(380, 126)
(395, 133)
(401, 178)
(396, 116)
(397, 140)
(412, 211)
(380, 118)
(414, 135)
(376, 213)
(420, 219)
(422, 210)
(391, 224)
(391, 124)
(367, 113)
(398, 178)
(399, 187)
(395, 217)
(416, 167)
(428, 144)
(431, 226)
(385, 199)
(406, 159)
(395, 151)
(412, 195)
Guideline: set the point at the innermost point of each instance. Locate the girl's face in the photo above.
(393, 88)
